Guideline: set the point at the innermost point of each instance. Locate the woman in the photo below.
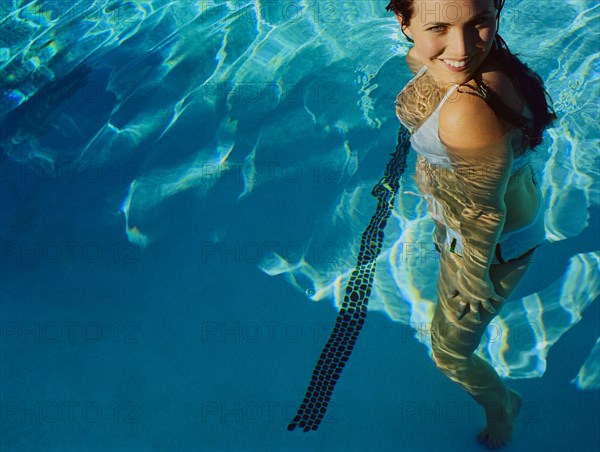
(475, 112)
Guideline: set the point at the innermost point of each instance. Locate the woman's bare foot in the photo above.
(498, 431)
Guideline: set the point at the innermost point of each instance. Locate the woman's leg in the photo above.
(454, 342)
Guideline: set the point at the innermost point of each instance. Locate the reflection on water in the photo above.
(190, 92)
(589, 375)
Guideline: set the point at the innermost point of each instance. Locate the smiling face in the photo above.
(452, 37)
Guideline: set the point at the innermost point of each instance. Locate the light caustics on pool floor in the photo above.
(309, 82)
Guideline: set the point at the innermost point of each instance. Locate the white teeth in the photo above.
(455, 63)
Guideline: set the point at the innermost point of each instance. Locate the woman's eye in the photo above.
(482, 21)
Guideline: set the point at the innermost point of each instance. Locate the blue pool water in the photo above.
(183, 190)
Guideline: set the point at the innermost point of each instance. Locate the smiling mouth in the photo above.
(457, 64)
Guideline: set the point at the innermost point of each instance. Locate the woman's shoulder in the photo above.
(466, 120)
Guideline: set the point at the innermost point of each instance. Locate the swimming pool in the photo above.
(184, 186)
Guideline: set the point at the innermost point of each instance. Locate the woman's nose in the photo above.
(461, 43)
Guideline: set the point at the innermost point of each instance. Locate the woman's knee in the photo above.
(441, 359)
(454, 366)
(450, 352)
(459, 338)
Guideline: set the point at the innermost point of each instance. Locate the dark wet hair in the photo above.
(527, 82)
